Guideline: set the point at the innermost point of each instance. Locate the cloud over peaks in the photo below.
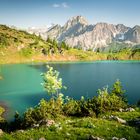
(60, 5)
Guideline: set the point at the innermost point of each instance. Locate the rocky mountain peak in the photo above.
(77, 20)
(122, 28)
(136, 28)
(74, 27)
(133, 34)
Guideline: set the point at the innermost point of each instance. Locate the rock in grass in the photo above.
(121, 120)
(130, 109)
(115, 138)
(42, 138)
(44, 122)
(123, 139)
(20, 131)
(118, 119)
(68, 134)
(50, 122)
(35, 125)
(121, 110)
(91, 137)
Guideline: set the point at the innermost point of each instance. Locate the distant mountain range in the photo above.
(78, 33)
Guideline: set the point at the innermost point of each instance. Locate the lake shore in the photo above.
(55, 59)
(72, 55)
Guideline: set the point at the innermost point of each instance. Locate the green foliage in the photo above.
(3, 40)
(64, 45)
(34, 115)
(103, 103)
(82, 56)
(43, 111)
(106, 101)
(49, 40)
(27, 52)
(77, 107)
(71, 107)
(52, 83)
(117, 90)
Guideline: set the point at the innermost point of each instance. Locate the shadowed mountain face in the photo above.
(77, 32)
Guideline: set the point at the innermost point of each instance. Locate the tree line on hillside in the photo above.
(29, 44)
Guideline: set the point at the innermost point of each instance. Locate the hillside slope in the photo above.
(20, 47)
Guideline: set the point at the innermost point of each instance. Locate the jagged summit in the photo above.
(75, 23)
(77, 19)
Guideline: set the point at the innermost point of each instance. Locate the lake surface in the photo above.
(21, 85)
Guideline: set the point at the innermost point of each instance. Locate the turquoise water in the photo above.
(21, 85)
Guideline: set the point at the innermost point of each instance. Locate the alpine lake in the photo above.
(20, 85)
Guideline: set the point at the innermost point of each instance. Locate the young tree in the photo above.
(52, 83)
(49, 40)
(55, 45)
(117, 90)
(64, 45)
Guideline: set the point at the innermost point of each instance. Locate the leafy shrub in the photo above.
(108, 102)
(104, 102)
(44, 110)
(71, 107)
(78, 107)
(118, 90)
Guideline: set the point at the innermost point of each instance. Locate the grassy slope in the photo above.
(81, 128)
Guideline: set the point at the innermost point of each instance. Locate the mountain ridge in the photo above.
(78, 33)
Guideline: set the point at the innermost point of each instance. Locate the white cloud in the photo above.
(61, 5)
(56, 5)
(65, 5)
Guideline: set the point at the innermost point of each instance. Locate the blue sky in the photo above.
(28, 13)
